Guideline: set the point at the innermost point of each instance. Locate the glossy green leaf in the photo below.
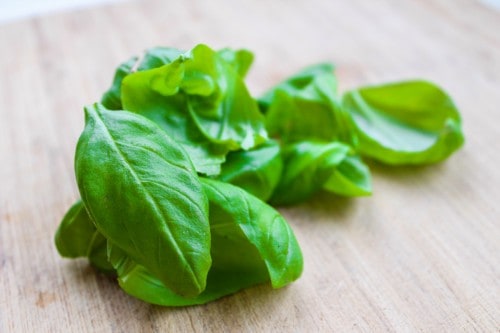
(251, 244)
(77, 236)
(262, 226)
(75, 232)
(413, 122)
(139, 282)
(257, 170)
(307, 107)
(142, 192)
(312, 165)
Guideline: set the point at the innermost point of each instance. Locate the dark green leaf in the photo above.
(75, 232)
(77, 236)
(262, 226)
(257, 170)
(142, 192)
(111, 99)
(251, 243)
(413, 122)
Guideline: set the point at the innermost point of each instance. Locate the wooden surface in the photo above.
(421, 254)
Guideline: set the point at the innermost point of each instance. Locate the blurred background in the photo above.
(14, 10)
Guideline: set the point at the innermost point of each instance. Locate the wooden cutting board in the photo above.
(421, 254)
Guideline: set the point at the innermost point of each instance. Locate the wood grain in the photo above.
(421, 254)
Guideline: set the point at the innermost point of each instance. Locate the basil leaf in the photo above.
(152, 58)
(312, 165)
(111, 99)
(216, 97)
(412, 122)
(233, 209)
(306, 107)
(218, 120)
(142, 192)
(219, 101)
(222, 115)
(297, 82)
(75, 232)
(169, 111)
(157, 57)
(257, 170)
(251, 243)
(78, 237)
(351, 178)
(240, 60)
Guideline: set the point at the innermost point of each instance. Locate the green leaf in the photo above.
(412, 122)
(168, 109)
(222, 116)
(75, 232)
(351, 178)
(240, 60)
(224, 111)
(142, 192)
(298, 82)
(139, 282)
(262, 226)
(152, 58)
(312, 165)
(158, 56)
(111, 99)
(257, 170)
(251, 244)
(78, 237)
(307, 107)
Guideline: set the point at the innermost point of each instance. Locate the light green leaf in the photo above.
(201, 102)
(312, 165)
(307, 107)
(142, 192)
(240, 60)
(225, 112)
(152, 58)
(412, 122)
(154, 94)
(351, 178)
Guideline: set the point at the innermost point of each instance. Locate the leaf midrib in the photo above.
(155, 207)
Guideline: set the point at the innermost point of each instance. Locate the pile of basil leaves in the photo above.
(174, 189)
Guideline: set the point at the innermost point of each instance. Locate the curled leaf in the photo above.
(313, 165)
(257, 170)
(251, 244)
(413, 122)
